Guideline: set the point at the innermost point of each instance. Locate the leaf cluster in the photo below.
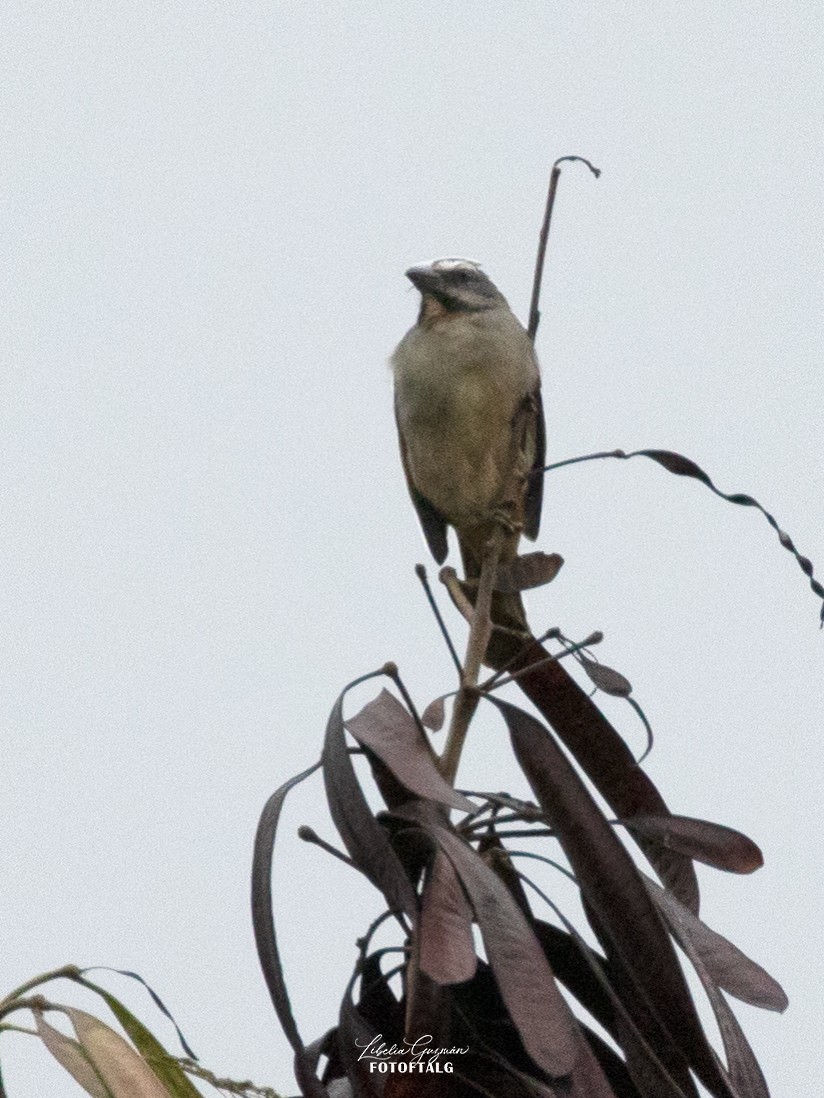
(108, 1062)
(444, 863)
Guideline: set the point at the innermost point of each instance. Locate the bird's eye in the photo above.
(461, 275)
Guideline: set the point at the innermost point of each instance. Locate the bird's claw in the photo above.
(501, 516)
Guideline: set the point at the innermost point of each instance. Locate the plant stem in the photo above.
(479, 633)
(70, 972)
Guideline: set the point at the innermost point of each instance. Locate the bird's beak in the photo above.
(423, 278)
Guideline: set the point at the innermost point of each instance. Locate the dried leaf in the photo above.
(388, 729)
(435, 714)
(613, 887)
(745, 1073)
(355, 1035)
(377, 1002)
(70, 1055)
(576, 965)
(587, 1079)
(535, 1005)
(727, 965)
(125, 1073)
(710, 843)
(603, 755)
(650, 1077)
(496, 1064)
(365, 839)
(591, 982)
(528, 571)
(263, 922)
(447, 950)
(684, 467)
(606, 679)
(611, 1064)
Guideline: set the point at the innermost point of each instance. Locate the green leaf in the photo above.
(165, 1067)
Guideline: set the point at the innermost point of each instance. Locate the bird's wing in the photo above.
(432, 521)
(535, 487)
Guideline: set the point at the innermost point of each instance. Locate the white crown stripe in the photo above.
(454, 263)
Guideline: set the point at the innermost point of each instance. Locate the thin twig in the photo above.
(363, 942)
(394, 674)
(420, 572)
(474, 818)
(552, 633)
(479, 825)
(534, 311)
(503, 817)
(493, 683)
(524, 833)
(542, 858)
(527, 809)
(583, 457)
(309, 835)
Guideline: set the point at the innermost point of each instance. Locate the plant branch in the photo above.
(480, 631)
(494, 681)
(534, 311)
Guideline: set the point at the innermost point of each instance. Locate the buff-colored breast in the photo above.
(459, 383)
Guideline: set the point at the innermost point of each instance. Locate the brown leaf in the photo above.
(388, 729)
(613, 887)
(744, 1071)
(684, 467)
(365, 839)
(600, 751)
(587, 1079)
(575, 965)
(434, 715)
(377, 1002)
(263, 923)
(528, 571)
(710, 843)
(354, 1036)
(727, 965)
(543, 1019)
(447, 950)
(590, 979)
(606, 679)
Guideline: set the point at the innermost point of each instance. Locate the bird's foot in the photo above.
(502, 516)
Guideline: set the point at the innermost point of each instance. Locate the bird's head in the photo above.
(455, 285)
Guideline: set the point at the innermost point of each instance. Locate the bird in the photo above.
(470, 420)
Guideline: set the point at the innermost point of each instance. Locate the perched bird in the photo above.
(470, 418)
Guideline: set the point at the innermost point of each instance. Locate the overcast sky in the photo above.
(207, 212)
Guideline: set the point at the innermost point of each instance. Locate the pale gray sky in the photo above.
(207, 212)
